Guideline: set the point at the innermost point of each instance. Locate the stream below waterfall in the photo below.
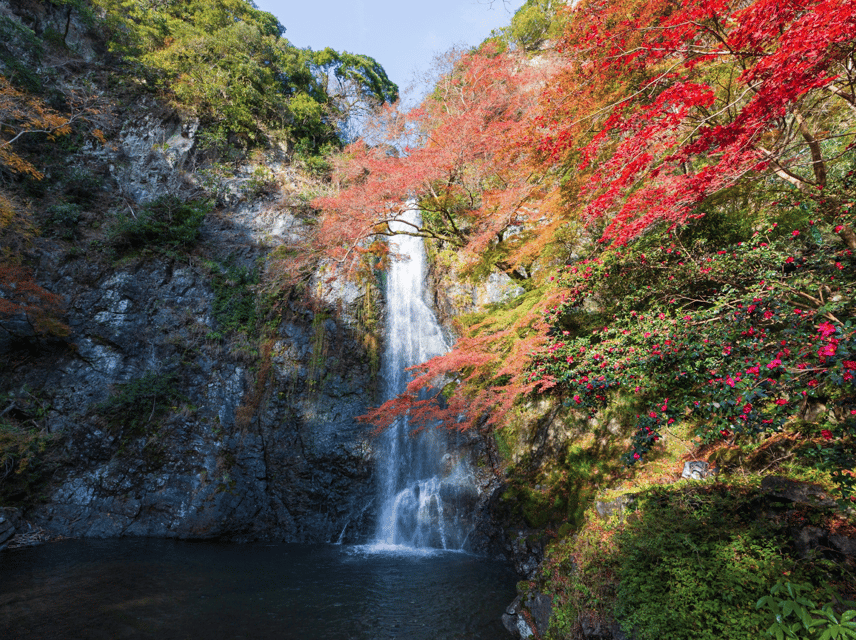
(165, 589)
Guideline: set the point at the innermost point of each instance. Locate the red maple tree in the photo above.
(683, 99)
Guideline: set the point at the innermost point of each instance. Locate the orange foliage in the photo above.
(21, 297)
(458, 156)
(486, 370)
(645, 109)
(22, 114)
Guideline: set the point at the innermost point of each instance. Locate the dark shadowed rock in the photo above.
(795, 491)
(10, 521)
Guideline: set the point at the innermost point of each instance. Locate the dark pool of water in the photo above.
(165, 589)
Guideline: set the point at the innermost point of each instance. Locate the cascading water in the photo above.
(425, 492)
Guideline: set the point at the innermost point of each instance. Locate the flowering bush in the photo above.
(738, 341)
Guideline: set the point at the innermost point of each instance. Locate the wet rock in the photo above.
(540, 606)
(528, 617)
(515, 622)
(526, 551)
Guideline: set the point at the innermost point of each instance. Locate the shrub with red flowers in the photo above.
(743, 340)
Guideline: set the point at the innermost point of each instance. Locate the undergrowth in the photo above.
(691, 561)
(165, 223)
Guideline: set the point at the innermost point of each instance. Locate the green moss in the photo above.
(318, 356)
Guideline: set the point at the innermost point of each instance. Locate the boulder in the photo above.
(696, 470)
(617, 506)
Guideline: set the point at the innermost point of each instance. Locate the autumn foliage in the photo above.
(698, 95)
(457, 155)
(22, 114)
(26, 308)
(647, 123)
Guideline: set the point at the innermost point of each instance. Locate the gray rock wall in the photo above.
(258, 439)
(295, 465)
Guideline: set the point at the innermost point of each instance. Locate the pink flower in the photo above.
(839, 228)
(826, 351)
(775, 363)
(636, 456)
(795, 233)
(826, 329)
(827, 434)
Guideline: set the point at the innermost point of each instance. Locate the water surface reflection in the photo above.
(169, 589)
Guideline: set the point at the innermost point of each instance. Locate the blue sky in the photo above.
(402, 35)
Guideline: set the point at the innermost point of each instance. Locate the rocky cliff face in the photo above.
(296, 467)
(241, 444)
(161, 421)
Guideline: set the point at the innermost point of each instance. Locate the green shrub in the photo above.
(794, 616)
(141, 403)
(693, 564)
(62, 219)
(167, 222)
(81, 187)
(235, 304)
(21, 72)
(21, 456)
(24, 447)
(690, 562)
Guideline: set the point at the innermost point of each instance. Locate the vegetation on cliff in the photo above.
(671, 184)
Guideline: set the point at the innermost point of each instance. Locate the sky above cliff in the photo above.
(401, 35)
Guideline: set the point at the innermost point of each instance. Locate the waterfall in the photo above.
(426, 493)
